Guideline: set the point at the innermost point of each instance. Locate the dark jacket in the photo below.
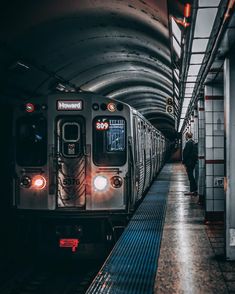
(189, 157)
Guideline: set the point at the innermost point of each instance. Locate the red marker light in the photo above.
(29, 107)
(39, 182)
(183, 22)
(69, 243)
(187, 10)
(111, 107)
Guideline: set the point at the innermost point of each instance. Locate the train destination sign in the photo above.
(69, 104)
(102, 126)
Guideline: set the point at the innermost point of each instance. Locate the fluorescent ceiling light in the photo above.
(185, 107)
(185, 104)
(177, 47)
(196, 58)
(204, 22)
(191, 79)
(184, 112)
(181, 124)
(190, 84)
(206, 3)
(188, 90)
(194, 69)
(176, 30)
(199, 45)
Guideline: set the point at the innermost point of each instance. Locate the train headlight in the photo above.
(116, 182)
(25, 182)
(39, 182)
(100, 183)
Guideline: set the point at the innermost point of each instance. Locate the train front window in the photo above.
(31, 141)
(109, 141)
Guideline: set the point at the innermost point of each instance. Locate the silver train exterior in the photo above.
(82, 154)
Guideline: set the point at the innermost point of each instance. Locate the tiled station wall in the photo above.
(214, 147)
(201, 149)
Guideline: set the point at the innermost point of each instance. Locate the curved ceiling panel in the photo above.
(116, 48)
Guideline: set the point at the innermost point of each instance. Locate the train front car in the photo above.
(71, 164)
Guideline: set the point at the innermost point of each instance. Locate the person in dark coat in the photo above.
(190, 160)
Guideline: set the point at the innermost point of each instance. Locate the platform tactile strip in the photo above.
(131, 267)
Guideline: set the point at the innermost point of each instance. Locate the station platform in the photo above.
(167, 247)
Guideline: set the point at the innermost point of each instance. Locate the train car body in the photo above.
(81, 155)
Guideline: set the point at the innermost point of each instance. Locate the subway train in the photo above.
(82, 164)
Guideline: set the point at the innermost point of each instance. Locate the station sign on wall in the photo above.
(169, 105)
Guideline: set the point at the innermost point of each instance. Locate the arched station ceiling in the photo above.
(117, 48)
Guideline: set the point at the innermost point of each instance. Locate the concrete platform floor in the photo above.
(192, 253)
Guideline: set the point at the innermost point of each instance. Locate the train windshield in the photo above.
(31, 141)
(109, 141)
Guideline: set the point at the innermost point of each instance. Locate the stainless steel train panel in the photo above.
(71, 163)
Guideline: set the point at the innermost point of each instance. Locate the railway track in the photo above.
(42, 277)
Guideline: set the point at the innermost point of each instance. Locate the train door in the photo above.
(71, 165)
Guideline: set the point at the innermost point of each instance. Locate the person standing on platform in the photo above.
(190, 160)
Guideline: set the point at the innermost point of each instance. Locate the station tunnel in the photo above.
(170, 60)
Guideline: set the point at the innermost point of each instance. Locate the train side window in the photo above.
(134, 137)
(31, 141)
(140, 135)
(109, 141)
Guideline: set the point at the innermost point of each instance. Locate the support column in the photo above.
(229, 75)
(214, 159)
(195, 135)
(201, 150)
(192, 125)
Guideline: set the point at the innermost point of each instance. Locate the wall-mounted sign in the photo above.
(169, 105)
(219, 182)
(169, 101)
(169, 109)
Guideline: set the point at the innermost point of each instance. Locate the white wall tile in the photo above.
(208, 105)
(218, 117)
(208, 90)
(218, 141)
(218, 169)
(209, 205)
(217, 90)
(209, 182)
(209, 117)
(218, 205)
(202, 133)
(218, 105)
(209, 153)
(209, 129)
(219, 194)
(209, 193)
(209, 169)
(219, 153)
(209, 141)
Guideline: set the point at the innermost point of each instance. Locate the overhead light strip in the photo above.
(205, 18)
